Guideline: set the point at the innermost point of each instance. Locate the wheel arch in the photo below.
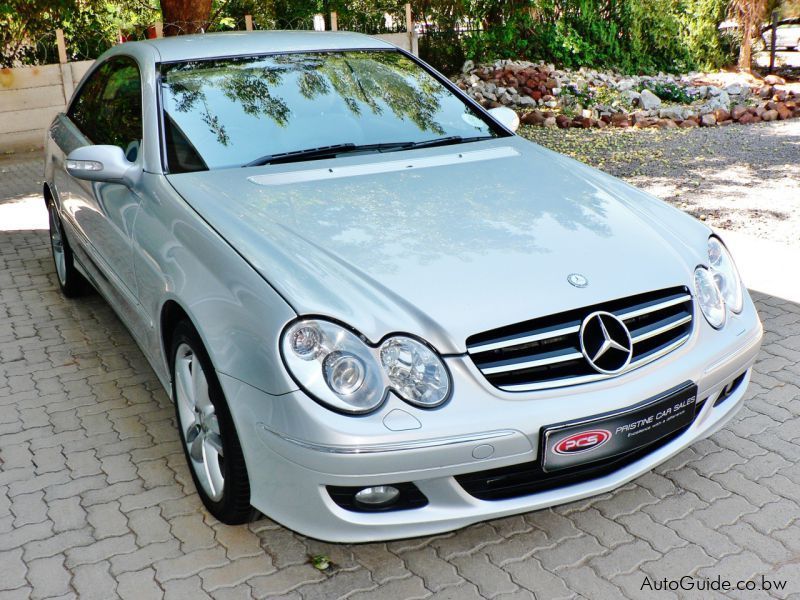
(172, 313)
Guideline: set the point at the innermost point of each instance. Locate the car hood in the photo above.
(446, 242)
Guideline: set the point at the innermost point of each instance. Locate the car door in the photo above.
(108, 110)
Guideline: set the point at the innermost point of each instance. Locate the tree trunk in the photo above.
(745, 50)
(185, 16)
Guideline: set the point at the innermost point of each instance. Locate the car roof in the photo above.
(236, 43)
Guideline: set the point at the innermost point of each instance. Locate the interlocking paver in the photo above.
(490, 579)
(382, 564)
(94, 582)
(12, 569)
(146, 556)
(139, 585)
(185, 588)
(186, 565)
(66, 514)
(96, 499)
(409, 587)
(149, 526)
(285, 580)
(48, 577)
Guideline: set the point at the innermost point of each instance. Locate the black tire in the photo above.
(232, 504)
(69, 279)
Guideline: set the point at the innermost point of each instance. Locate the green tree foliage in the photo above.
(630, 35)
(27, 27)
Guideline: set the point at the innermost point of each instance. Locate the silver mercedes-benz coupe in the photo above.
(379, 312)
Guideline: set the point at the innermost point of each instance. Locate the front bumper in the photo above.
(294, 448)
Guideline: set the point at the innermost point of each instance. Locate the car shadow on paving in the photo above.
(96, 500)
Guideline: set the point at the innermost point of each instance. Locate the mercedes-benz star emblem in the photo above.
(578, 280)
(606, 342)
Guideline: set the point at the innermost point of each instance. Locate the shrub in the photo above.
(633, 36)
(669, 92)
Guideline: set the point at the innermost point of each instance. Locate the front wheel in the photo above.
(207, 431)
(70, 280)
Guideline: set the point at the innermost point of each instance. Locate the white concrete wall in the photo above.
(403, 40)
(29, 99)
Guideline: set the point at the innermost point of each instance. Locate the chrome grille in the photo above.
(545, 352)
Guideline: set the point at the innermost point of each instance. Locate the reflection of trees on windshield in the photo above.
(363, 81)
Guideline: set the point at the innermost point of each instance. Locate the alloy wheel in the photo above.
(199, 423)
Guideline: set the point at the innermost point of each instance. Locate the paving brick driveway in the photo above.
(96, 501)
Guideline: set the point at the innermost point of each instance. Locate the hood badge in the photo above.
(606, 342)
(578, 280)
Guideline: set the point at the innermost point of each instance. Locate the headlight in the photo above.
(725, 274)
(709, 297)
(414, 371)
(332, 364)
(340, 369)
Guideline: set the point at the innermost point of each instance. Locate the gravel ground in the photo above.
(743, 178)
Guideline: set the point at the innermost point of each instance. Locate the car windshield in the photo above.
(257, 110)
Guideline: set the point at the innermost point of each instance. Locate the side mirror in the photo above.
(103, 163)
(507, 117)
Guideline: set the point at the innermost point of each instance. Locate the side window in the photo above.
(109, 108)
(84, 108)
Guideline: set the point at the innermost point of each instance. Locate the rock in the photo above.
(533, 118)
(721, 100)
(468, 66)
(625, 84)
(774, 80)
(746, 118)
(765, 91)
(676, 113)
(721, 115)
(724, 123)
(667, 124)
(563, 121)
(769, 115)
(714, 91)
(708, 120)
(631, 96)
(550, 122)
(738, 111)
(556, 91)
(783, 112)
(526, 101)
(619, 118)
(734, 89)
(688, 123)
(645, 122)
(648, 100)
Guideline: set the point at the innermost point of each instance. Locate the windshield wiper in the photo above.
(447, 141)
(324, 152)
(348, 148)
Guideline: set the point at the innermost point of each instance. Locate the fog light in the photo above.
(379, 495)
